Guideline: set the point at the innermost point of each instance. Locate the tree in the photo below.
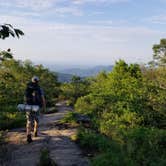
(7, 29)
(76, 88)
(159, 56)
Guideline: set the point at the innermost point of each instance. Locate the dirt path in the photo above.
(51, 136)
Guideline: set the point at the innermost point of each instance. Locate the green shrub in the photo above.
(146, 146)
(91, 140)
(45, 159)
(140, 146)
(69, 118)
(11, 119)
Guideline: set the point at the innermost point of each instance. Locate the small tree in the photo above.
(159, 56)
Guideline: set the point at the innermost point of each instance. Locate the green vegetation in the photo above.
(128, 115)
(14, 76)
(159, 56)
(127, 107)
(76, 88)
(45, 159)
(69, 118)
(140, 146)
(7, 30)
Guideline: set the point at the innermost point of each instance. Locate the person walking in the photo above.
(34, 96)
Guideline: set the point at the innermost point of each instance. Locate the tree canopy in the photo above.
(159, 50)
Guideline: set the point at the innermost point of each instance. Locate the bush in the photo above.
(146, 146)
(140, 146)
(10, 118)
(92, 141)
(69, 118)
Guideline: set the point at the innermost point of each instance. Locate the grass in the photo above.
(141, 147)
(69, 118)
(45, 159)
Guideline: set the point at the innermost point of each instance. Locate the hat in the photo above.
(35, 79)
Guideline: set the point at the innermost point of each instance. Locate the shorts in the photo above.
(32, 116)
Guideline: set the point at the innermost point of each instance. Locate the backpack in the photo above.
(33, 94)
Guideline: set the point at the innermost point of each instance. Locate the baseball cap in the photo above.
(35, 79)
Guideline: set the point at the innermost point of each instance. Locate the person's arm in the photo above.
(43, 100)
(43, 103)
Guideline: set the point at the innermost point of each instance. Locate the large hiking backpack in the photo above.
(33, 94)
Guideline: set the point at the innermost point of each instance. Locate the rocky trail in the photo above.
(52, 136)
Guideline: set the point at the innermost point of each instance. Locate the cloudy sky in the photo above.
(92, 32)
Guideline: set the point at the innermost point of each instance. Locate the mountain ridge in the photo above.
(65, 75)
(86, 72)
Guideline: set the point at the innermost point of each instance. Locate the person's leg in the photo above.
(29, 126)
(36, 124)
(35, 128)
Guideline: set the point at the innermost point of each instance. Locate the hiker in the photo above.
(34, 95)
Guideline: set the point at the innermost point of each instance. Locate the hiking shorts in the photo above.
(32, 116)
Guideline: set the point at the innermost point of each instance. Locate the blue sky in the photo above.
(84, 32)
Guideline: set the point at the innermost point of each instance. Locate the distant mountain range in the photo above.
(86, 72)
(65, 75)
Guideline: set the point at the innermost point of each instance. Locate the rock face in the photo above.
(62, 150)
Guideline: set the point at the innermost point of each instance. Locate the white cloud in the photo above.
(62, 42)
(39, 8)
(160, 19)
(98, 1)
(30, 4)
(62, 11)
(37, 5)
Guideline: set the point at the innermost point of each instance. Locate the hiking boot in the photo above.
(29, 139)
(35, 134)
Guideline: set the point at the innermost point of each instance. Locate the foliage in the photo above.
(76, 88)
(69, 118)
(155, 87)
(14, 76)
(7, 29)
(45, 159)
(127, 106)
(140, 146)
(11, 120)
(92, 141)
(118, 93)
(159, 56)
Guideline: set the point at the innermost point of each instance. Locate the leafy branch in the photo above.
(7, 29)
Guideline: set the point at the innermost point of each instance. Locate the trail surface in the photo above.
(54, 137)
